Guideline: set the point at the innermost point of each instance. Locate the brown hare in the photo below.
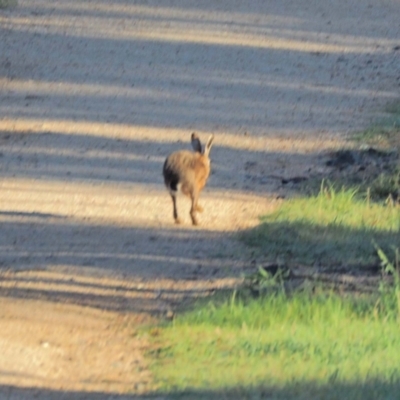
(188, 171)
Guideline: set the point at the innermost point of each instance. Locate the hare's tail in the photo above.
(171, 179)
(172, 187)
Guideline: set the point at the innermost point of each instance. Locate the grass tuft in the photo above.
(384, 133)
(387, 185)
(335, 227)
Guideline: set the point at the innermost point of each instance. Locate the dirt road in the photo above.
(93, 95)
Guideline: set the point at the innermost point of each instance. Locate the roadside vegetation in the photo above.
(270, 339)
(335, 227)
(301, 346)
(309, 342)
(385, 136)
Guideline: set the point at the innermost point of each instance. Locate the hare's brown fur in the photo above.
(188, 171)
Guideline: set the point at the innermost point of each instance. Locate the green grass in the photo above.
(331, 228)
(385, 132)
(387, 185)
(321, 346)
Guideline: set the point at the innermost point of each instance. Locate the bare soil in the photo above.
(93, 95)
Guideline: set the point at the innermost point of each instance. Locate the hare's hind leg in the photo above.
(195, 207)
(173, 197)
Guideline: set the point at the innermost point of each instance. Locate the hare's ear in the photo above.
(196, 144)
(208, 146)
